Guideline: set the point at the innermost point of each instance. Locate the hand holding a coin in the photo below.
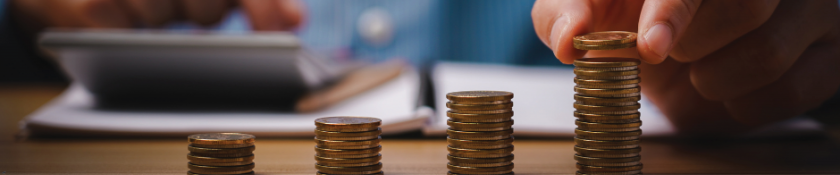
(731, 65)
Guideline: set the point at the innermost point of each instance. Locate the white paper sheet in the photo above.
(394, 102)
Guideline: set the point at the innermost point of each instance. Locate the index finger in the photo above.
(557, 22)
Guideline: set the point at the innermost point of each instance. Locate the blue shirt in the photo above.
(489, 31)
(493, 31)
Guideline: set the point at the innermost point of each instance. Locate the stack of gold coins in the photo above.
(348, 145)
(480, 128)
(221, 153)
(606, 103)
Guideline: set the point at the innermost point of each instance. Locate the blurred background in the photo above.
(419, 31)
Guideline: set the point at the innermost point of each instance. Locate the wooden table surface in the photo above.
(808, 155)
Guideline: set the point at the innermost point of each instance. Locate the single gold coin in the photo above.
(221, 152)
(606, 69)
(608, 104)
(611, 121)
(604, 47)
(598, 169)
(347, 124)
(591, 161)
(596, 135)
(220, 161)
(602, 118)
(480, 102)
(591, 73)
(479, 135)
(607, 101)
(485, 126)
(608, 127)
(331, 135)
(458, 117)
(500, 111)
(202, 169)
(607, 84)
(224, 146)
(626, 112)
(606, 144)
(451, 173)
(348, 162)
(606, 62)
(348, 144)
(480, 153)
(248, 173)
(479, 162)
(636, 172)
(379, 173)
(479, 96)
(221, 139)
(583, 107)
(480, 170)
(629, 92)
(608, 153)
(474, 107)
(372, 169)
(623, 77)
(595, 117)
(606, 38)
(347, 153)
(480, 144)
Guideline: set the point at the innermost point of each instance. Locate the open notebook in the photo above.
(542, 97)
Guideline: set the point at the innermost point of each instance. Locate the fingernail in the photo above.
(659, 39)
(556, 30)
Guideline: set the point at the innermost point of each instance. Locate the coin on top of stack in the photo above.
(348, 145)
(221, 153)
(480, 128)
(606, 103)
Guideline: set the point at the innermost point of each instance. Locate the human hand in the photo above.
(34, 15)
(733, 65)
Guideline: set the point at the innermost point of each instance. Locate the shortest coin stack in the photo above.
(348, 145)
(221, 153)
(480, 128)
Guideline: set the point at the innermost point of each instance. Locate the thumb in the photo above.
(661, 24)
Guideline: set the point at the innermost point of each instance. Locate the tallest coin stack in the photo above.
(606, 103)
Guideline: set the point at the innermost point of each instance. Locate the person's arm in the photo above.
(730, 65)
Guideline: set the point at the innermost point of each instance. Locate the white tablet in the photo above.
(153, 66)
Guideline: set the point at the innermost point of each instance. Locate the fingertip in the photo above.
(655, 44)
(557, 22)
(562, 36)
(559, 39)
(293, 12)
(567, 54)
(661, 24)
